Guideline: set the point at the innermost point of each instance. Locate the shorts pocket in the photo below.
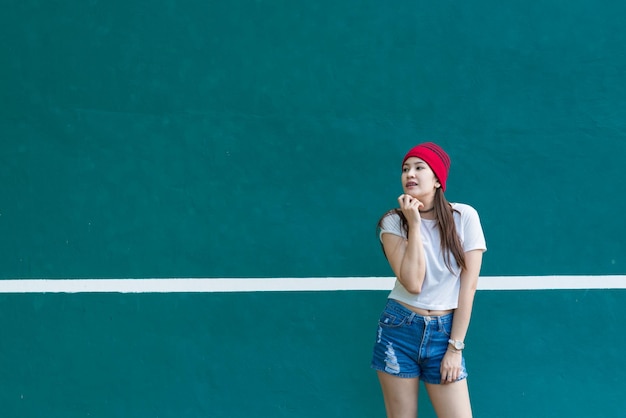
(391, 321)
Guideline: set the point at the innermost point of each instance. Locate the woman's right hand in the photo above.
(410, 208)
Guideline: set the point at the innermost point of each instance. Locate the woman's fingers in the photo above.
(449, 377)
(409, 202)
(450, 369)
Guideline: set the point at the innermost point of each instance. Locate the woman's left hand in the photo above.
(451, 366)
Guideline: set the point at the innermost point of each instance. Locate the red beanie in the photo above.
(435, 157)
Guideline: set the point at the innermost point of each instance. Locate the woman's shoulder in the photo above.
(464, 209)
(390, 221)
(390, 216)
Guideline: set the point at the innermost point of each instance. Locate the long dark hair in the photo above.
(444, 216)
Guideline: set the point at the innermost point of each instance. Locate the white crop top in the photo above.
(440, 290)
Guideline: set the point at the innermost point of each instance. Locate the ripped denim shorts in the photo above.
(410, 345)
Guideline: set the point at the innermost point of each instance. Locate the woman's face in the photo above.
(418, 179)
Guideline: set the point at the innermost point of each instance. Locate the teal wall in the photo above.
(530, 354)
(262, 139)
(201, 139)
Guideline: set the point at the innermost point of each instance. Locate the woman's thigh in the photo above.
(450, 400)
(400, 394)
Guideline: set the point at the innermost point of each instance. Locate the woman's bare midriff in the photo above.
(425, 312)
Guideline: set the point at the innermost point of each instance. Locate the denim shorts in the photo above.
(410, 345)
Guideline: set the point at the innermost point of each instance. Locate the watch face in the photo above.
(459, 345)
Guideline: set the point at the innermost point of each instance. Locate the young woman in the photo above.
(435, 250)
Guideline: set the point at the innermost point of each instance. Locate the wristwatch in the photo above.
(459, 345)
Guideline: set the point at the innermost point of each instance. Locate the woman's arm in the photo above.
(406, 258)
(469, 281)
(451, 363)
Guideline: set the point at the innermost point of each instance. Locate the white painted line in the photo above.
(551, 282)
(193, 285)
(312, 284)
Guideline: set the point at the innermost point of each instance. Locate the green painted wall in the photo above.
(168, 139)
(530, 354)
(262, 139)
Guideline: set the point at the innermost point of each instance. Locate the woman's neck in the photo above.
(428, 211)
